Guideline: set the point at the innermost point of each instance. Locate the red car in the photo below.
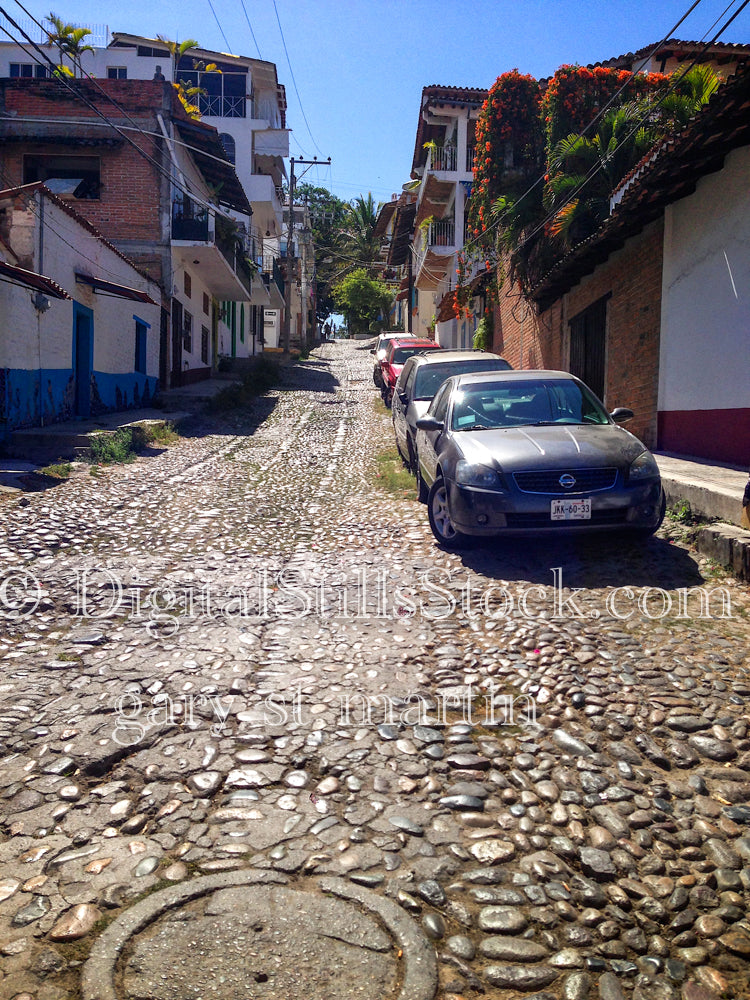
(398, 353)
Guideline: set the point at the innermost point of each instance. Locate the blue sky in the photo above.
(359, 65)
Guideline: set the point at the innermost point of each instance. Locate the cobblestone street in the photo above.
(242, 658)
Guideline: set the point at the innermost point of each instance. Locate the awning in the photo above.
(122, 291)
(447, 308)
(210, 157)
(33, 280)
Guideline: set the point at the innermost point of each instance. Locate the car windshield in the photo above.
(430, 377)
(402, 354)
(535, 402)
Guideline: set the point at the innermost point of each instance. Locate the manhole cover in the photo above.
(239, 936)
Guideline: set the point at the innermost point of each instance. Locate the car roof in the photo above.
(412, 341)
(524, 374)
(447, 356)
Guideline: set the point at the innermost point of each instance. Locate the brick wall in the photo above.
(632, 276)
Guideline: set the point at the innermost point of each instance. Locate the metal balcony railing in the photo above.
(443, 158)
(442, 233)
(189, 221)
(470, 158)
(222, 107)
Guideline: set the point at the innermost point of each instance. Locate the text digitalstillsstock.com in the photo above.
(362, 593)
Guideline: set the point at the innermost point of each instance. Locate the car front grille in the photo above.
(601, 518)
(586, 481)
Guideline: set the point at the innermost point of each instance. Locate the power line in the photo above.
(218, 22)
(597, 167)
(48, 64)
(294, 82)
(244, 11)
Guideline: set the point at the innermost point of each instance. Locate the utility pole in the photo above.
(290, 256)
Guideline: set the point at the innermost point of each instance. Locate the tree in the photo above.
(69, 42)
(327, 215)
(364, 301)
(358, 233)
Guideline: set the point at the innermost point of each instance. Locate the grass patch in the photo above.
(124, 444)
(263, 376)
(391, 475)
(57, 470)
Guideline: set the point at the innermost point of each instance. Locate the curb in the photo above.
(727, 545)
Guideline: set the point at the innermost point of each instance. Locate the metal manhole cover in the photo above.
(239, 936)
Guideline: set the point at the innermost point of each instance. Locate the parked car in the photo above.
(379, 350)
(420, 379)
(398, 353)
(531, 452)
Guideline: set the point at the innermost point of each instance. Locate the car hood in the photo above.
(557, 447)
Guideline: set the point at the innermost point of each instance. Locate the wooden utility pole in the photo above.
(290, 255)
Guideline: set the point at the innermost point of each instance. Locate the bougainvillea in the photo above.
(508, 143)
(576, 94)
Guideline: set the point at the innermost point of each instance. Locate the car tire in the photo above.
(440, 522)
(645, 533)
(422, 490)
(411, 460)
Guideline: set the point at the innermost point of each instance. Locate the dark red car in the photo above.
(398, 353)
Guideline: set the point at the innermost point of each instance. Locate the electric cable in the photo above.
(244, 10)
(218, 22)
(294, 82)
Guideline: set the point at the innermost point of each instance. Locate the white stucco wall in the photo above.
(705, 322)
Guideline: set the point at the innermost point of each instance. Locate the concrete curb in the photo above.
(727, 545)
(98, 977)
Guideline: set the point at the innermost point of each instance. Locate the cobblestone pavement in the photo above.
(242, 652)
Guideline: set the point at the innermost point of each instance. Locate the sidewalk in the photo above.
(713, 491)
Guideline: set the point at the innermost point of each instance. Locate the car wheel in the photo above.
(644, 533)
(440, 520)
(422, 491)
(411, 460)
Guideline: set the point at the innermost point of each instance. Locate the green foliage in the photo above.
(362, 299)
(391, 475)
(327, 214)
(264, 375)
(483, 333)
(68, 40)
(124, 444)
(57, 470)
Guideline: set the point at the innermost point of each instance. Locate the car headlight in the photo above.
(644, 467)
(480, 476)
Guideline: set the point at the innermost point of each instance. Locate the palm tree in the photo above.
(358, 232)
(176, 51)
(69, 42)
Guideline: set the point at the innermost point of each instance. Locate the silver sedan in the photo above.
(531, 452)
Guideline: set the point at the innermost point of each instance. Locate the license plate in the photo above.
(571, 510)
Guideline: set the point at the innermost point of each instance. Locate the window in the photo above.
(439, 405)
(187, 331)
(227, 142)
(117, 73)
(71, 176)
(24, 71)
(141, 331)
(204, 344)
(242, 322)
(222, 94)
(188, 285)
(206, 303)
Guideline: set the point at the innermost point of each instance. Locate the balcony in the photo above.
(470, 158)
(219, 258)
(442, 233)
(443, 158)
(273, 279)
(218, 106)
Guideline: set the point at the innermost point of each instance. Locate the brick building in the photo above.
(649, 310)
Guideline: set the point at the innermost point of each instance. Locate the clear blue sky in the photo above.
(360, 65)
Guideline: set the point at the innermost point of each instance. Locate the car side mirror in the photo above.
(621, 414)
(403, 397)
(430, 424)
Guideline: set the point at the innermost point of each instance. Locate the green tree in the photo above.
(358, 233)
(68, 40)
(364, 301)
(327, 214)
